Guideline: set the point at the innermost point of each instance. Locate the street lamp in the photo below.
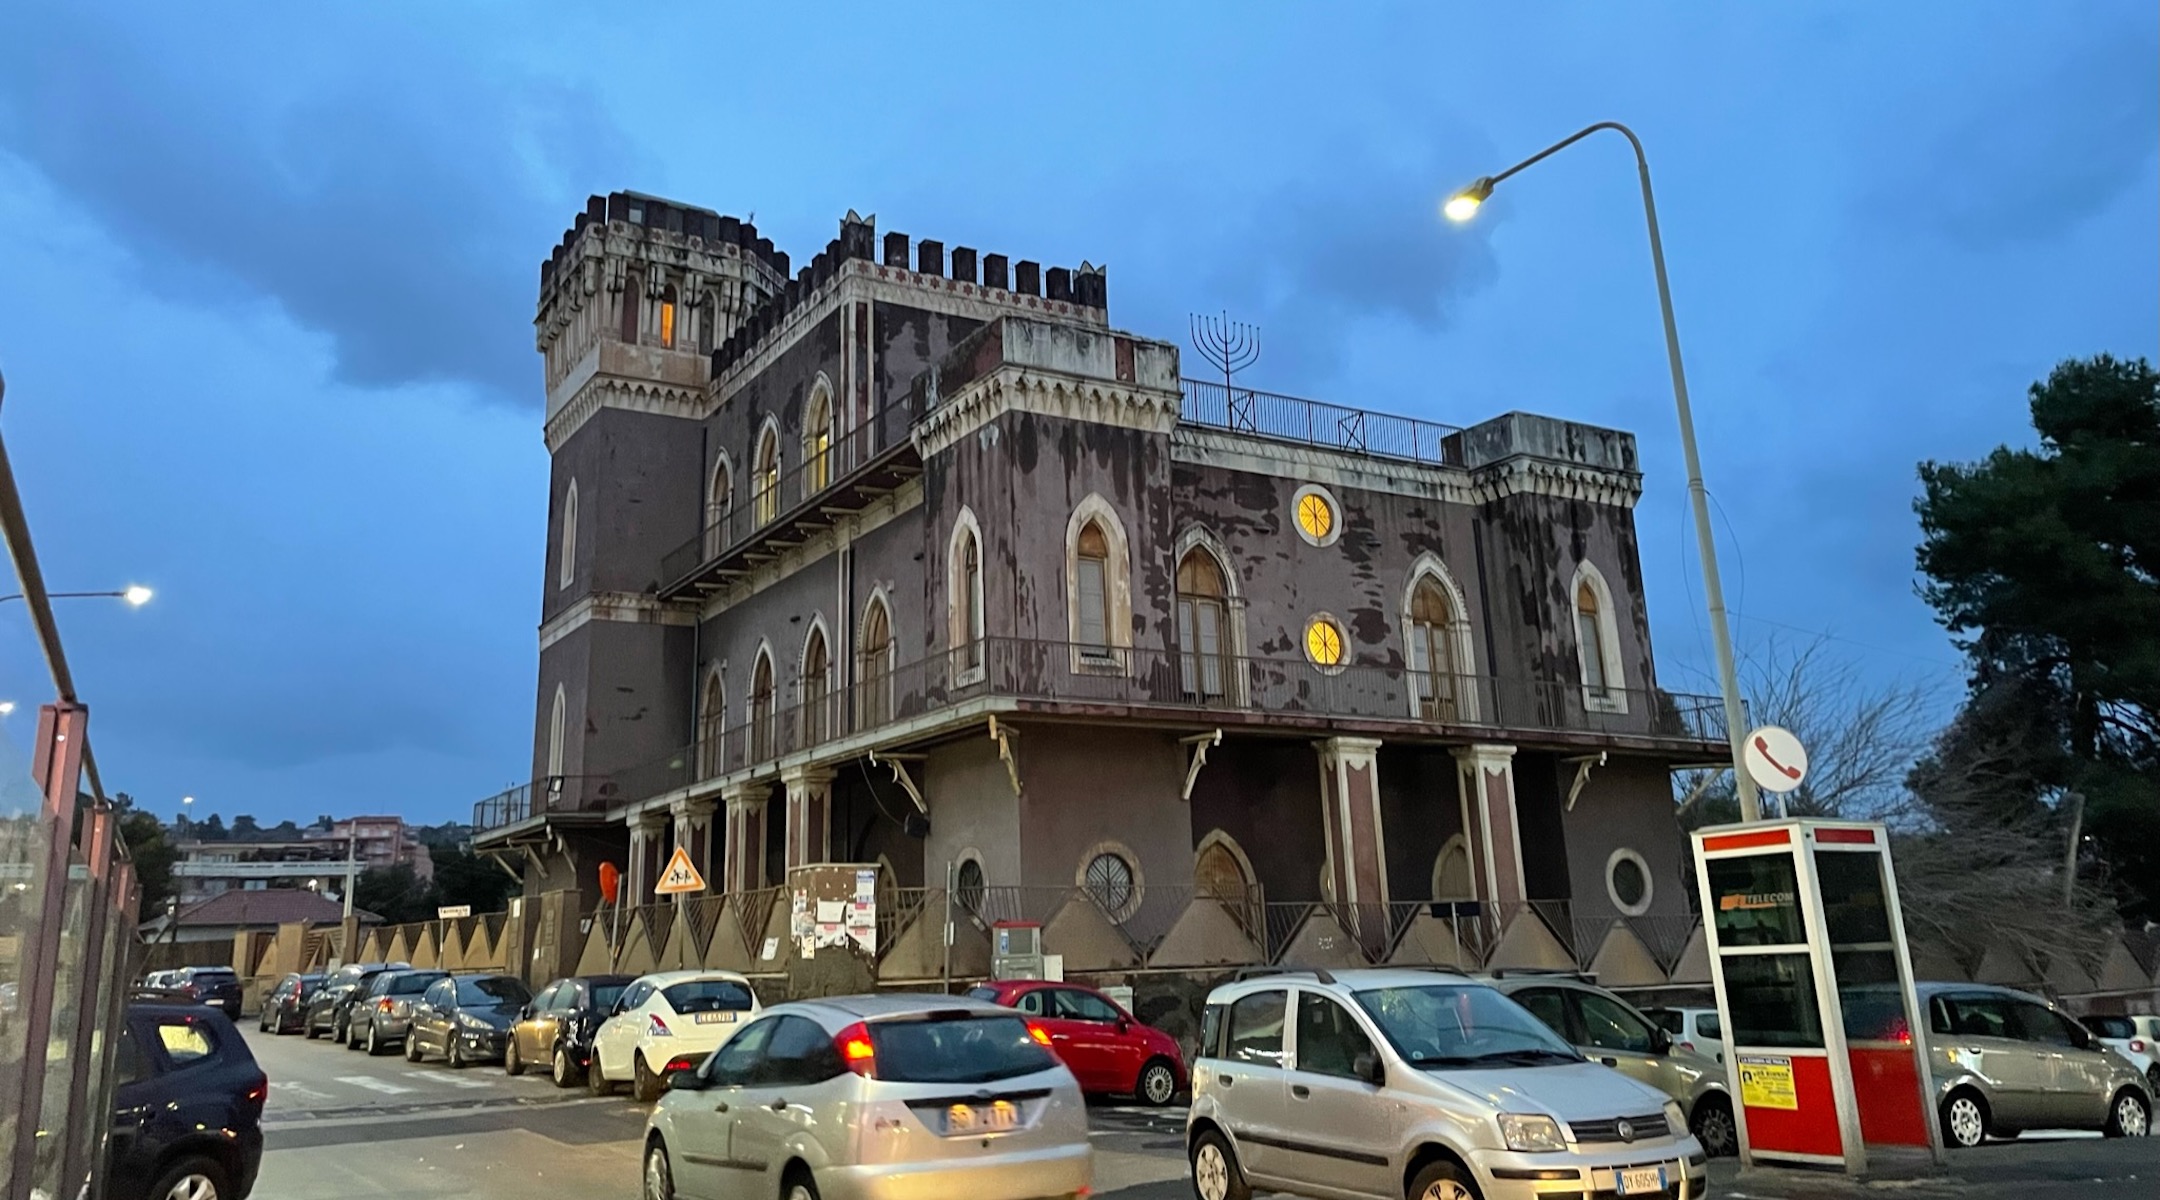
(187, 809)
(1464, 205)
(135, 594)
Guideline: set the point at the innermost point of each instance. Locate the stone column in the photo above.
(693, 832)
(1350, 814)
(648, 854)
(1487, 773)
(745, 850)
(809, 815)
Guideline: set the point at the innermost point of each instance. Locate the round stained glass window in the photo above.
(1324, 642)
(1315, 516)
(1110, 882)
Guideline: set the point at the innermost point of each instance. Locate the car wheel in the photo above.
(659, 1177)
(1215, 1171)
(307, 1026)
(1964, 1120)
(1443, 1181)
(800, 1186)
(339, 1028)
(375, 1048)
(512, 1064)
(1158, 1083)
(412, 1046)
(454, 1053)
(1713, 1126)
(645, 1087)
(2130, 1116)
(595, 1082)
(352, 1036)
(562, 1070)
(192, 1179)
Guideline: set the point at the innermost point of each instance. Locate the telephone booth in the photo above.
(1824, 1039)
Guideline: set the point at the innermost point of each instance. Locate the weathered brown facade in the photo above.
(925, 564)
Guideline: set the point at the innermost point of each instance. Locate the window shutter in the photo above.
(1094, 623)
(1209, 620)
(1593, 651)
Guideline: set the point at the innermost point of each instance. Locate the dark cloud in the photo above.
(2055, 136)
(399, 208)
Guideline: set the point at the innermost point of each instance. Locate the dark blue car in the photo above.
(187, 1107)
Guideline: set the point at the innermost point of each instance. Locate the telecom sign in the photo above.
(1774, 758)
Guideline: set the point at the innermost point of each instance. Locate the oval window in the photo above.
(1315, 516)
(1324, 642)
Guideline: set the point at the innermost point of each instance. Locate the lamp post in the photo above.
(1461, 207)
(187, 810)
(135, 594)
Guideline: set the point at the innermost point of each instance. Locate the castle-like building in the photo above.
(912, 557)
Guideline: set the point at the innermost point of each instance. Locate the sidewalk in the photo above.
(2071, 1169)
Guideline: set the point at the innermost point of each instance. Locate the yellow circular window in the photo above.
(1324, 642)
(1315, 516)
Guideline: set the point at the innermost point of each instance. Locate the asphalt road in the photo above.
(343, 1126)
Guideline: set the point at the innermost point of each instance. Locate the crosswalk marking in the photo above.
(451, 1080)
(373, 1084)
(301, 1090)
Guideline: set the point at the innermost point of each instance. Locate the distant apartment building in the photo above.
(315, 863)
(380, 842)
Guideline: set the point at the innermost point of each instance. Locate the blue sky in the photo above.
(267, 288)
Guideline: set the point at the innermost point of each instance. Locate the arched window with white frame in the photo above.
(558, 733)
(1452, 877)
(1098, 584)
(817, 723)
(1437, 645)
(1203, 626)
(762, 706)
(712, 725)
(1597, 641)
(964, 597)
(874, 693)
(765, 477)
(566, 558)
(817, 440)
(719, 502)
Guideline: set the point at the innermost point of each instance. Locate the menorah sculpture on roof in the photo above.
(1231, 346)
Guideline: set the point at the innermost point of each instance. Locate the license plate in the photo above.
(1634, 1181)
(994, 1117)
(716, 1018)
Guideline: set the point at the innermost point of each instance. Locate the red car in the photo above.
(1105, 1047)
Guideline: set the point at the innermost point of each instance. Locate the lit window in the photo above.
(817, 443)
(667, 317)
(1324, 641)
(1315, 516)
(1093, 566)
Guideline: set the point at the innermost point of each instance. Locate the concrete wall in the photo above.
(1085, 786)
(628, 699)
(1420, 809)
(971, 807)
(1265, 794)
(1626, 803)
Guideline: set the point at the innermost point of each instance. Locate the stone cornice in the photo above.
(632, 395)
(1525, 476)
(1032, 390)
(1519, 475)
(630, 608)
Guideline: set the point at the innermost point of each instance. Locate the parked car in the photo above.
(1109, 1050)
(285, 1008)
(664, 1023)
(2135, 1038)
(217, 987)
(2003, 1060)
(1696, 1030)
(557, 1027)
(381, 1017)
(466, 1019)
(1613, 1032)
(330, 1010)
(889, 1095)
(1354, 1082)
(187, 1107)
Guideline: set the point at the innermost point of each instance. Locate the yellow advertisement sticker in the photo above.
(1766, 1082)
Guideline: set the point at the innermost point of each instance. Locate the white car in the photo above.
(667, 1022)
(1695, 1029)
(2135, 1038)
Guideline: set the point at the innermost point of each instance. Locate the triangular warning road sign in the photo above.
(680, 877)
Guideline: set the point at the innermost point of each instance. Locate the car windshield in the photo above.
(491, 991)
(709, 995)
(2111, 1027)
(1462, 1025)
(965, 1049)
(983, 993)
(604, 995)
(406, 985)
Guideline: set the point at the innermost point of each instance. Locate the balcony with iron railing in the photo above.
(883, 707)
(1232, 409)
(765, 513)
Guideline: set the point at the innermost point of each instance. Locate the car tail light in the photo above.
(383, 1005)
(681, 1062)
(1041, 1035)
(655, 1027)
(1687, 1046)
(258, 1092)
(856, 1051)
(2137, 1045)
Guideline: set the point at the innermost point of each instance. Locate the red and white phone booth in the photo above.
(1824, 1040)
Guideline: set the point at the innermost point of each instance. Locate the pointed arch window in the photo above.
(633, 299)
(712, 726)
(817, 442)
(875, 705)
(761, 708)
(566, 566)
(1589, 628)
(1433, 653)
(1203, 625)
(1091, 565)
(708, 315)
(558, 733)
(971, 603)
(719, 501)
(765, 481)
(817, 723)
(667, 316)
(1597, 642)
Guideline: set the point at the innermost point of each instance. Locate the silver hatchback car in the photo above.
(1422, 1084)
(889, 1097)
(2004, 1060)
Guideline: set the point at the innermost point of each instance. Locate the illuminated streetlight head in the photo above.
(137, 595)
(1463, 205)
